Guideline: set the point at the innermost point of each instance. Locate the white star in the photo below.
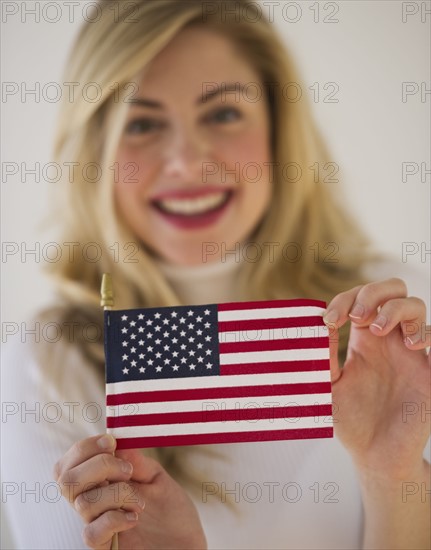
(141, 342)
(166, 334)
(191, 325)
(200, 360)
(199, 346)
(191, 339)
(150, 361)
(140, 316)
(133, 336)
(158, 355)
(158, 341)
(159, 369)
(207, 312)
(149, 321)
(125, 343)
(182, 320)
(132, 323)
(142, 369)
(125, 371)
(141, 329)
(124, 317)
(207, 338)
(166, 348)
(198, 318)
(166, 321)
(209, 365)
(167, 361)
(133, 363)
(175, 367)
(174, 340)
(141, 355)
(132, 350)
(174, 313)
(124, 330)
(183, 346)
(199, 332)
(183, 360)
(157, 328)
(182, 333)
(157, 315)
(207, 325)
(190, 312)
(150, 348)
(191, 352)
(174, 353)
(192, 366)
(125, 357)
(208, 351)
(174, 327)
(150, 335)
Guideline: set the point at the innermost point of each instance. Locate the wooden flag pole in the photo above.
(107, 302)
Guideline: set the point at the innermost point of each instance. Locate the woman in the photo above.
(172, 134)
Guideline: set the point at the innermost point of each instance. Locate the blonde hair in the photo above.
(112, 51)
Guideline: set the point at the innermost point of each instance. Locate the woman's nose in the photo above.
(185, 154)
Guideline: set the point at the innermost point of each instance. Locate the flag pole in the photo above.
(107, 302)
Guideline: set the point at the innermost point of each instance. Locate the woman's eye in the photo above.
(143, 126)
(228, 114)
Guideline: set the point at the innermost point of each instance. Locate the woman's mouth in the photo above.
(190, 210)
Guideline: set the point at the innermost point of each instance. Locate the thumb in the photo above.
(145, 469)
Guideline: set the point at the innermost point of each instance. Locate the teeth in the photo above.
(193, 206)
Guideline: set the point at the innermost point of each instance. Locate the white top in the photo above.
(288, 494)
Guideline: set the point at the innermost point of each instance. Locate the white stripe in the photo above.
(224, 427)
(269, 313)
(270, 401)
(273, 334)
(200, 382)
(269, 356)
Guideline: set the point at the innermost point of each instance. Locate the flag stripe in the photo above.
(280, 366)
(254, 335)
(234, 437)
(271, 304)
(265, 345)
(274, 355)
(207, 382)
(222, 427)
(217, 393)
(268, 313)
(282, 322)
(225, 404)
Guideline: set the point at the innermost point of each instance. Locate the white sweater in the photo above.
(288, 494)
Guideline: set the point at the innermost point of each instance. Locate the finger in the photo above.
(98, 534)
(95, 502)
(145, 469)
(83, 450)
(91, 473)
(361, 303)
(407, 311)
(417, 336)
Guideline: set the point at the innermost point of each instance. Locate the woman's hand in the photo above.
(382, 394)
(129, 494)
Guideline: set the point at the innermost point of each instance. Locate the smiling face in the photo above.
(188, 166)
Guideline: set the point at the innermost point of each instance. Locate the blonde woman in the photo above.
(177, 220)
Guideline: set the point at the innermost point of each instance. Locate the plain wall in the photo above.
(373, 49)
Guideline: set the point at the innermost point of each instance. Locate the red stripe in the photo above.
(237, 415)
(265, 345)
(217, 393)
(237, 437)
(275, 366)
(259, 324)
(270, 304)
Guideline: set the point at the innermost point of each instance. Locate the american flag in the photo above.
(218, 373)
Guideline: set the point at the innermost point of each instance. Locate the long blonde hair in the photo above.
(110, 51)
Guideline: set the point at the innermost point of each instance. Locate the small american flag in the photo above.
(218, 373)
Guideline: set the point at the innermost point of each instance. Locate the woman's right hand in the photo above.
(129, 494)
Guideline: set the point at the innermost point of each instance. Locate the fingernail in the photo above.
(380, 322)
(330, 316)
(126, 467)
(412, 339)
(132, 516)
(357, 311)
(141, 503)
(106, 441)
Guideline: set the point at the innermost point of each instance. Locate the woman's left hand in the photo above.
(382, 395)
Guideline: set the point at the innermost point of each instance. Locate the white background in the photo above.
(369, 53)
